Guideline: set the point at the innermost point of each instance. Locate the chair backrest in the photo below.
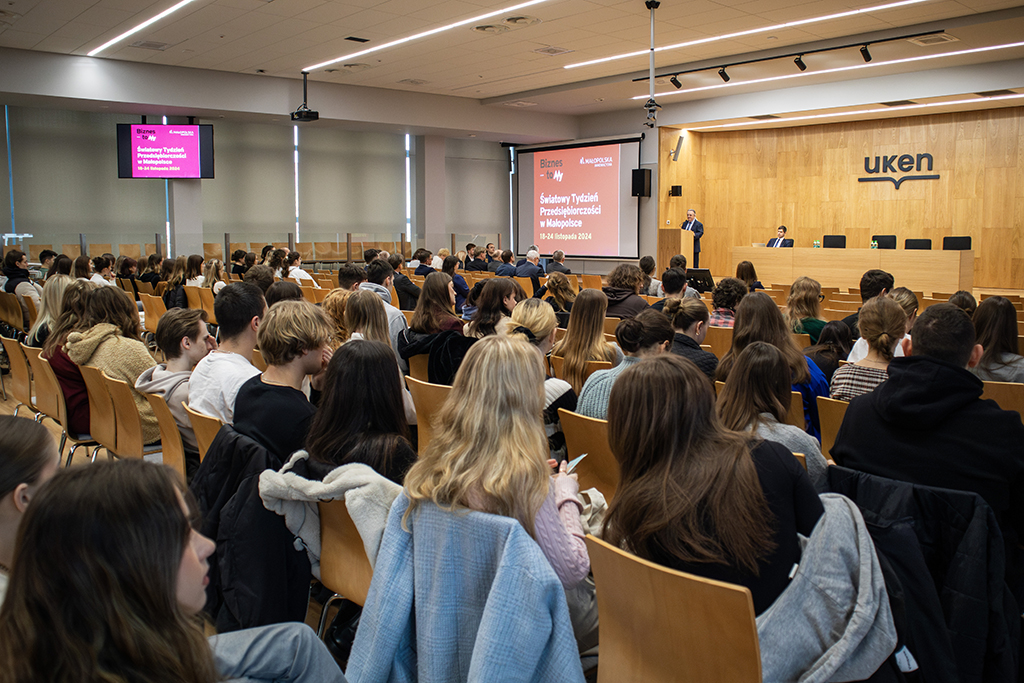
(206, 300)
(205, 428)
(802, 340)
(102, 423)
(526, 283)
(1009, 395)
(918, 243)
(320, 294)
(428, 399)
(956, 243)
(600, 469)
(558, 364)
(610, 324)
(257, 360)
(43, 368)
(795, 416)
(591, 281)
(144, 287)
(833, 241)
(21, 378)
(126, 418)
(884, 241)
(408, 316)
(32, 313)
(46, 387)
(344, 567)
(418, 367)
(192, 295)
(170, 436)
(150, 318)
(644, 638)
(719, 339)
(830, 415)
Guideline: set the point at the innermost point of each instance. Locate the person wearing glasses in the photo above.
(803, 308)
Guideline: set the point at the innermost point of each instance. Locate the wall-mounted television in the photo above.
(164, 151)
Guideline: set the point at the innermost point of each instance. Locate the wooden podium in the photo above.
(672, 241)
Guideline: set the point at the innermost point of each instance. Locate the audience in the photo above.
(964, 301)
(560, 293)
(151, 273)
(555, 265)
(260, 276)
(833, 345)
(213, 276)
(872, 283)
(350, 276)
(293, 264)
(927, 424)
(697, 497)
(623, 290)
(83, 267)
(435, 307)
(479, 260)
(672, 286)
(62, 265)
(28, 459)
(679, 261)
(238, 266)
(506, 269)
(295, 338)
(195, 267)
(759, 319)
(909, 303)
(649, 333)
(72, 318)
(689, 319)
(745, 272)
(584, 338)
(46, 257)
(803, 308)
(49, 310)
(184, 339)
(378, 280)
(995, 324)
(102, 274)
(167, 267)
(438, 259)
(365, 317)
(882, 324)
(18, 282)
(494, 305)
(276, 261)
(423, 258)
(283, 291)
(216, 379)
(651, 286)
(530, 268)
(449, 268)
(725, 299)
(109, 340)
(334, 307)
(265, 254)
(756, 399)
(110, 587)
(407, 291)
(174, 293)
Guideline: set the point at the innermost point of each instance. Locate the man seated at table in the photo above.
(780, 240)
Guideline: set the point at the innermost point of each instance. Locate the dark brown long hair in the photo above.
(759, 383)
(688, 489)
(759, 319)
(995, 327)
(73, 306)
(93, 592)
(114, 306)
(434, 310)
(490, 305)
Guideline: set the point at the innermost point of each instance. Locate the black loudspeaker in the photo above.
(641, 182)
(676, 191)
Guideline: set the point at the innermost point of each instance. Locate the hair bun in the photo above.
(630, 333)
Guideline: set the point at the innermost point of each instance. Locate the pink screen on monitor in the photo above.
(165, 151)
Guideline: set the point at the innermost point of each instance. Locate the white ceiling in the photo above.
(283, 36)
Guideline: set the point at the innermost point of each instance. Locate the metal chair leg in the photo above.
(323, 615)
(63, 440)
(71, 453)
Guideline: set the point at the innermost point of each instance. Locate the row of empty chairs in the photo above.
(949, 243)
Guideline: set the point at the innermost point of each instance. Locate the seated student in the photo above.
(678, 261)
(506, 269)
(293, 265)
(295, 339)
(584, 338)
(195, 267)
(334, 307)
(421, 260)
(756, 399)
(733, 508)
(672, 286)
(369, 255)
(534, 322)
(49, 310)
(407, 291)
(250, 260)
(276, 262)
(350, 276)
(479, 260)
(623, 291)
(556, 264)
(449, 268)
(46, 257)
(283, 291)
(82, 267)
(803, 308)
(872, 283)
(964, 301)
(184, 339)
(18, 282)
(238, 262)
(109, 339)
(759, 319)
(62, 265)
(647, 334)
(995, 325)
(438, 259)
(174, 293)
(745, 272)
(216, 379)
(167, 266)
(365, 317)
(494, 304)
(725, 300)
(28, 459)
(651, 286)
(129, 574)
(151, 273)
(882, 324)
(833, 345)
(927, 424)
(102, 273)
(128, 269)
(689, 318)
(213, 276)
(265, 254)
(379, 276)
(909, 303)
(260, 276)
(435, 307)
(559, 293)
(72, 317)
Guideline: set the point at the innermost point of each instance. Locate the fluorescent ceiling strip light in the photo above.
(431, 32)
(838, 69)
(908, 107)
(141, 26)
(752, 31)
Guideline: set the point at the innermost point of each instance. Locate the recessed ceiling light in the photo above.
(425, 34)
(136, 29)
(492, 29)
(748, 32)
(520, 21)
(520, 104)
(355, 39)
(552, 51)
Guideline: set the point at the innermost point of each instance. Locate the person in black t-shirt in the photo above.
(238, 266)
(271, 408)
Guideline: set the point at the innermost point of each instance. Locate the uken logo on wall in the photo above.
(903, 163)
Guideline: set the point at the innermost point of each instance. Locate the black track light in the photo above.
(799, 61)
(865, 54)
(725, 76)
(675, 81)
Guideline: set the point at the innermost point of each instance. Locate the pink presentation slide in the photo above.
(576, 200)
(165, 151)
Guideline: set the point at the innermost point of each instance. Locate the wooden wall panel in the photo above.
(744, 184)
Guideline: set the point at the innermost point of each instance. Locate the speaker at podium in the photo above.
(672, 241)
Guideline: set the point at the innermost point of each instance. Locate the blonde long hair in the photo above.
(536, 316)
(364, 313)
(490, 450)
(334, 307)
(213, 273)
(584, 338)
(49, 309)
(803, 302)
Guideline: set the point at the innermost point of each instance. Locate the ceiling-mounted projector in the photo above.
(304, 113)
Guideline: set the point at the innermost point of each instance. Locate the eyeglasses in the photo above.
(821, 297)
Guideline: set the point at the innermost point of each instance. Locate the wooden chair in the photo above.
(205, 428)
(428, 399)
(33, 314)
(658, 624)
(206, 303)
(610, 324)
(257, 360)
(802, 340)
(46, 385)
(418, 367)
(1009, 395)
(720, 340)
(794, 417)
(600, 469)
(159, 289)
(408, 316)
(830, 416)
(170, 435)
(344, 568)
(21, 377)
(192, 294)
(128, 422)
(557, 363)
(591, 281)
(526, 283)
(102, 422)
(802, 459)
(154, 308)
(46, 388)
(309, 294)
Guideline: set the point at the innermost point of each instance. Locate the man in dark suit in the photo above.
(478, 262)
(697, 228)
(531, 269)
(557, 265)
(781, 240)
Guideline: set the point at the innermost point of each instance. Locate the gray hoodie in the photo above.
(173, 387)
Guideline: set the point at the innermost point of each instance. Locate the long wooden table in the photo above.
(919, 270)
